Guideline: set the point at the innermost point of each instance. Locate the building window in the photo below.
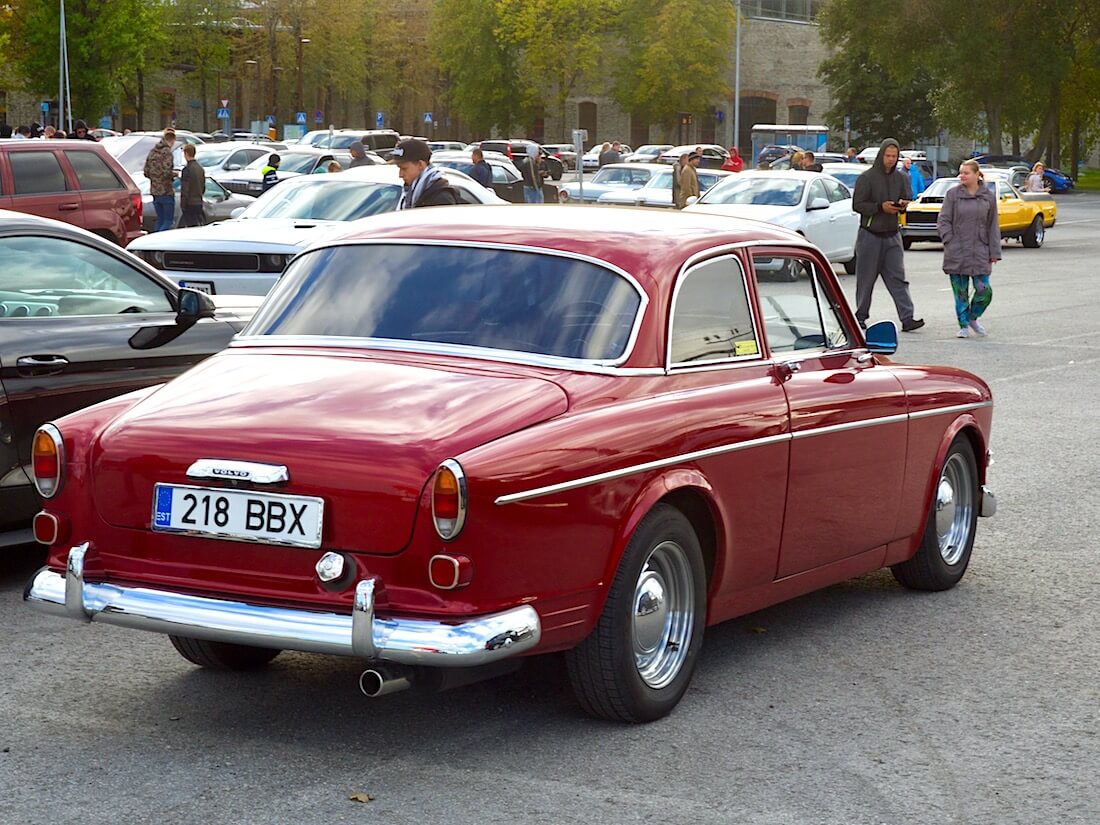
(803, 11)
(753, 110)
(798, 115)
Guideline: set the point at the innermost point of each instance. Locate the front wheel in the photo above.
(1035, 234)
(638, 661)
(222, 655)
(948, 539)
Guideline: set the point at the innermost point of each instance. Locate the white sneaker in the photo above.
(977, 327)
(963, 333)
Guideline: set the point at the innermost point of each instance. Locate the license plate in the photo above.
(201, 286)
(242, 515)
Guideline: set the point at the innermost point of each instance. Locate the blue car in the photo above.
(1054, 180)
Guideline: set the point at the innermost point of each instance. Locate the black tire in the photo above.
(1035, 234)
(222, 655)
(906, 243)
(850, 266)
(634, 666)
(789, 271)
(948, 539)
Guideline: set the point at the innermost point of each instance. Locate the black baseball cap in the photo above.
(411, 149)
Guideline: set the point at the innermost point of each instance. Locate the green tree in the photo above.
(561, 43)
(486, 87)
(198, 42)
(676, 57)
(108, 40)
(898, 108)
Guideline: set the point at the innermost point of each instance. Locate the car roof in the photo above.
(650, 244)
(656, 167)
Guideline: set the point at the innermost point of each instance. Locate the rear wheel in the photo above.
(948, 539)
(638, 661)
(222, 655)
(1035, 234)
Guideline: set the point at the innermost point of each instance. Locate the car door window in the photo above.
(500, 175)
(92, 172)
(798, 312)
(239, 158)
(213, 191)
(46, 276)
(836, 191)
(711, 319)
(37, 173)
(817, 190)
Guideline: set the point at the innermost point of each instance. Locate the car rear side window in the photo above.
(37, 173)
(711, 319)
(92, 171)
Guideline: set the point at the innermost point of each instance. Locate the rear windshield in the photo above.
(488, 298)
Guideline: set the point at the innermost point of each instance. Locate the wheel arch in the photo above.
(690, 492)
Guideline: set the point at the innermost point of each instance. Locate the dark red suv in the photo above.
(76, 181)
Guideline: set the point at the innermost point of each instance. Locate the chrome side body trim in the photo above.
(476, 641)
(641, 468)
(561, 487)
(225, 469)
(480, 352)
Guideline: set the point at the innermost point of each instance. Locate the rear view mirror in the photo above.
(194, 305)
(817, 203)
(882, 338)
(691, 200)
(236, 213)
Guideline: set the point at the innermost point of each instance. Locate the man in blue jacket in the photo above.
(913, 171)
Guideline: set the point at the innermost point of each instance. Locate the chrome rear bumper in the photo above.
(433, 643)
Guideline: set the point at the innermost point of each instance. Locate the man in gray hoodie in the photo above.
(881, 194)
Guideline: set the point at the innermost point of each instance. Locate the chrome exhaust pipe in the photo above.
(375, 682)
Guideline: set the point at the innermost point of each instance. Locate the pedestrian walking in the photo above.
(916, 179)
(270, 172)
(677, 169)
(735, 162)
(481, 171)
(604, 151)
(850, 155)
(611, 154)
(689, 180)
(809, 162)
(971, 236)
(425, 185)
(1035, 179)
(881, 194)
(533, 171)
(160, 172)
(192, 188)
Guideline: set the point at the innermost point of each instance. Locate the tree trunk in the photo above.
(140, 102)
(1075, 147)
(993, 127)
(205, 102)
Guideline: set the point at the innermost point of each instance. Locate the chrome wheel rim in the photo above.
(954, 508)
(1040, 231)
(663, 614)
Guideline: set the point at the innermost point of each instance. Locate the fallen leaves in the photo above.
(361, 797)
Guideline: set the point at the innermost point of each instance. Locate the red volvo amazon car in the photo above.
(453, 438)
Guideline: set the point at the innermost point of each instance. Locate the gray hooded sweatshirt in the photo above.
(874, 187)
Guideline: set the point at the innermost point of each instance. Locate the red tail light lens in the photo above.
(47, 460)
(136, 201)
(449, 499)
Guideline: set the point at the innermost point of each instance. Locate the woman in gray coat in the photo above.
(971, 239)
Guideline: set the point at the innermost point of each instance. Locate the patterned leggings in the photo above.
(970, 308)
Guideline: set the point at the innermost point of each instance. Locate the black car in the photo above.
(507, 182)
(81, 321)
(514, 147)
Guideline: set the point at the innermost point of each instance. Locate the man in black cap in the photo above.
(425, 184)
(270, 172)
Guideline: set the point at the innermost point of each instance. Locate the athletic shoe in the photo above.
(964, 332)
(977, 327)
(912, 324)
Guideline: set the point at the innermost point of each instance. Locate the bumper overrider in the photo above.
(477, 641)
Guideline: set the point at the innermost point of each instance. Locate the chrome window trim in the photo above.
(633, 469)
(686, 270)
(554, 362)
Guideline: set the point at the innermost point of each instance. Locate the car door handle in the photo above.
(39, 364)
(68, 207)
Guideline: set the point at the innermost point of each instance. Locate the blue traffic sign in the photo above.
(45, 106)
(318, 116)
(271, 120)
(223, 113)
(300, 118)
(380, 120)
(427, 117)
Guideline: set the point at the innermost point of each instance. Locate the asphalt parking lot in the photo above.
(862, 704)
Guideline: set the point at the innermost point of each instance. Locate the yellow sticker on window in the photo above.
(744, 348)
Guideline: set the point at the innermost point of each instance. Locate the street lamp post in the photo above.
(299, 101)
(256, 92)
(737, 78)
(276, 73)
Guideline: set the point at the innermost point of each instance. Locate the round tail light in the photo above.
(47, 460)
(449, 499)
(563, 196)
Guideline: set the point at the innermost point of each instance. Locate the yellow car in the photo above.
(1023, 215)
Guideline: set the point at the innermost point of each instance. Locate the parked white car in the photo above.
(246, 255)
(813, 204)
(658, 189)
(615, 177)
